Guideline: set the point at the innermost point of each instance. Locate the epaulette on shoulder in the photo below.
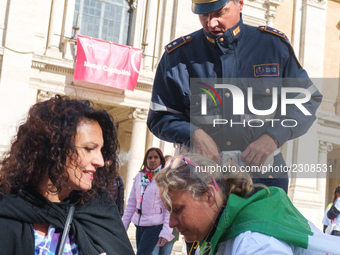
(282, 36)
(178, 42)
(274, 32)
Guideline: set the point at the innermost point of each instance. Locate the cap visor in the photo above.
(208, 7)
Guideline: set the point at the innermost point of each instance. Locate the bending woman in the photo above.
(145, 208)
(56, 181)
(213, 211)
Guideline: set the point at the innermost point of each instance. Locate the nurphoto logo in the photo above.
(239, 99)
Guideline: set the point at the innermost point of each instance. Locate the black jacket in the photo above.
(96, 225)
(118, 191)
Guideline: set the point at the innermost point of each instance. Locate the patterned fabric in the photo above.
(147, 178)
(47, 245)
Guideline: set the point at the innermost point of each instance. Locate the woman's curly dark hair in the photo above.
(45, 141)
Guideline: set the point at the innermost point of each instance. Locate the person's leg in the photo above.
(166, 249)
(279, 182)
(139, 233)
(148, 239)
(335, 233)
(278, 178)
(156, 251)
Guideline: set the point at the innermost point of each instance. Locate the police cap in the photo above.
(206, 6)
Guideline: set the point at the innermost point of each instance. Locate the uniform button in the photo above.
(227, 95)
(221, 40)
(267, 91)
(270, 177)
(228, 143)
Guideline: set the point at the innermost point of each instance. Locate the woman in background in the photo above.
(331, 219)
(144, 207)
(56, 181)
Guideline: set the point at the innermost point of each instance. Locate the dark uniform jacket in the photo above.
(247, 57)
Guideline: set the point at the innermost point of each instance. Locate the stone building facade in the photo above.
(37, 59)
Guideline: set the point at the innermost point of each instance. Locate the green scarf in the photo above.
(271, 213)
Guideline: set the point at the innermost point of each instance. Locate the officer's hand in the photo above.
(161, 242)
(258, 151)
(203, 144)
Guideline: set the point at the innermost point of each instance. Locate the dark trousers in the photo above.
(147, 238)
(277, 182)
(335, 233)
(280, 179)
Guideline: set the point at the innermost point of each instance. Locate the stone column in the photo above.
(137, 147)
(324, 148)
(321, 183)
(271, 10)
(16, 96)
(149, 140)
(305, 192)
(68, 43)
(337, 103)
(136, 23)
(149, 34)
(3, 8)
(17, 30)
(55, 27)
(313, 23)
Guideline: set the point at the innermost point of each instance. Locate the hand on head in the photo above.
(204, 145)
(194, 196)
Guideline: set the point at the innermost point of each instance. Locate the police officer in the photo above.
(260, 64)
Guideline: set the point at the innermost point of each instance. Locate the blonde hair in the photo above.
(182, 178)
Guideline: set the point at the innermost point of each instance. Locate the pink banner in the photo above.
(107, 63)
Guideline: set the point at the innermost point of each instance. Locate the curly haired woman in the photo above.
(56, 181)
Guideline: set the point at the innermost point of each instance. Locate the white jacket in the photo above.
(153, 212)
(250, 243)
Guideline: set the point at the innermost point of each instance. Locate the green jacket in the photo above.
(271, 213)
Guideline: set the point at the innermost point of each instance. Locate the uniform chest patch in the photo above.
(266, 70)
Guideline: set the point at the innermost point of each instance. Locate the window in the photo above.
(104, 19)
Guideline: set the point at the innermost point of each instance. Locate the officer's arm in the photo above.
(295, 76)
(294, 122)
(169, 113)
(258, 151)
